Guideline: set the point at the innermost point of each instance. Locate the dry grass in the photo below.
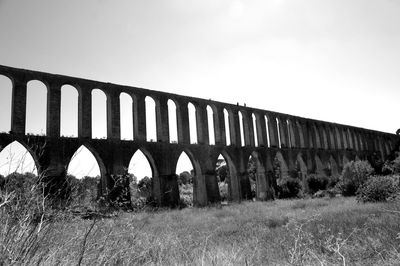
(284, 232)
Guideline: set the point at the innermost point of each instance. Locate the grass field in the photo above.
(334, 231)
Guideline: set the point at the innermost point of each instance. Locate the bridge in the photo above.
(300, 145)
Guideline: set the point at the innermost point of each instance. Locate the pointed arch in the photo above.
(227, 128)
(99, 114)
(69, 111)
(210, 121)
(172, 122)
(142, 165)
(280, 166)
(17, 157)
(229, 184)
(85, 162)
(126, 116)
(36, 108)
(259, 186)
(5, 103)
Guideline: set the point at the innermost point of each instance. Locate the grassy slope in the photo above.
(304, 232)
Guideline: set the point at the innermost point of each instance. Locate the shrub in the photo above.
(354, 175)
(316, 182)
(186, 195)
(289, 187)
(378, 188)
(223, 190)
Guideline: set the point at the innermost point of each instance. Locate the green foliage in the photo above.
(83, 192)
(222, 170)
(354, 175)
(289, 187)
(391, 167)
(316, 182)
(185, 178)
(379, 188)
(252, 168)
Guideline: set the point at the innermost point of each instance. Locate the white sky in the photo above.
(334, 60)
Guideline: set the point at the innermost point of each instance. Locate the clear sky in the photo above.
(333, 60)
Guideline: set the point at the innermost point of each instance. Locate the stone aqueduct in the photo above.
(300, 144)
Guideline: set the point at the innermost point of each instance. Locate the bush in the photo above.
(186, 195)
(289, 187)
(316, 182)
(223, 190)
(379, 188)
(354, 175)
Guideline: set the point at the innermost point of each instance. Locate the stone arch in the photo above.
(126, 116)
(151, 120)
(227, 128)
(267, 132)
(241, 129)
(210, 121)
(192, 123)
(95, 154)
(316, 137)
(319, 166)
(263, 191)
(301, 135)
(22, 150)
(338, 139)
(232, 177)
(301, 167)
(99, 113)
(36, 107)
(280, 162)
(69, 111)
(149, 158)
(332, 167)
(172, 121)
(255, 134)
(6, 87)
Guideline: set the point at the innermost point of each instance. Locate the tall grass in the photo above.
(334, 231)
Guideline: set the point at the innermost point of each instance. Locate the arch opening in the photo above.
(192, 123)
(242, 142)
(211, 130)
(151, 122)
(253, 116)
(16, 158)
(36, 108)
(141, 178)
(227, 129)
(5, 103)
(185, 172)
(69, 111)
(99, 114)
(172, 122)
(126, 116)
(279, 132)
(83, 163)
(267, 131)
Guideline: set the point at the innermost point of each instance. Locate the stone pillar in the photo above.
(283, 132)
(162, 120)
(219, 126)
(182, 116)
(113, 115)
(85, 113)
(234, 127)
(261, 130)
(18, 106)
(139, 117)
(202, 124)
(273, 131)
(322, 136)
(53, 109)
(248, 129)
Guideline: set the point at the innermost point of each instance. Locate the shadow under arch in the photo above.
(199, 183)
(31, 151)
(232, 177)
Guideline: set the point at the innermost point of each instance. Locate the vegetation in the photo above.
(353, 176)
(379, 188)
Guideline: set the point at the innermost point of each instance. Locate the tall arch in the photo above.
(69, 111)
(192, 123)
(210, 121)
(267, 131)
(259, 185)
(227, 177)
(139, 166)
(253, 116)
(151, 122)
(36, 111)
(316, 137)
(241, 127)
(16, 157)
(172, 122)
(126, 116)
(227, 128)
(99, 114)
(5, 103)
(85, 162)
(338, 139)
(279, 132)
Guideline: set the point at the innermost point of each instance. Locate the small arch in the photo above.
(345, 143)
(227, 128)
(69, 111)
(338, 141)
(36, 108)
(151, 122)
(99, 114)
(84, 163)
(192, 123)
(16, 158)
(126, 116)
(253, 116)
(242, 142)
(5, 103)
(267, 131)
(279, 132)
(172, 122)
(324, 138)
(210, 120)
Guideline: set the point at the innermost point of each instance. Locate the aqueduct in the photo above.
(299, 144)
